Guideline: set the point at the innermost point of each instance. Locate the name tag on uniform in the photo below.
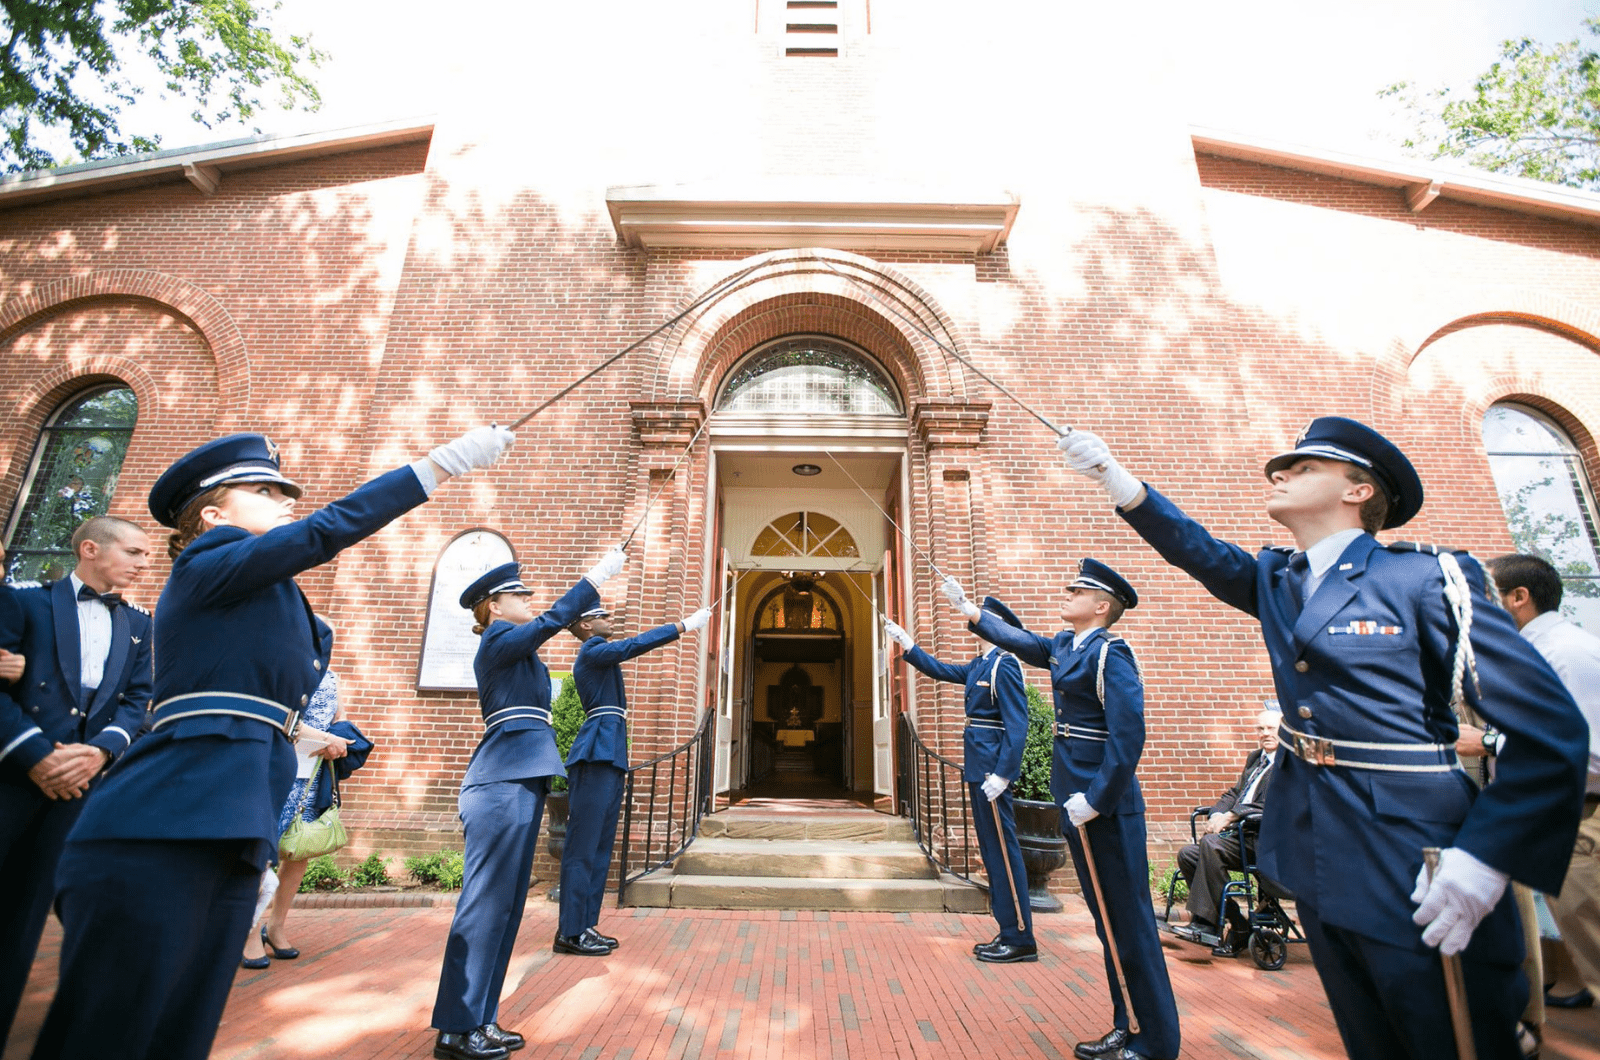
(1052, 660)
(982, 684)
(1367, 628)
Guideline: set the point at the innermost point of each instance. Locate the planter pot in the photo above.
(555, 832)
(1044, 850)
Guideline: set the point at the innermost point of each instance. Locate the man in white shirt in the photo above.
(77, 706)
(1530, 588)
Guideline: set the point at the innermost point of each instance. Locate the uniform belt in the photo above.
(600, 712)
(196, 704)
(1360, 754)
(505, 714)
(985, 723)
(1081, 732)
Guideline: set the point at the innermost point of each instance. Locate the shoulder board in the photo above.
(136, 607)
(1413, 546)
(1287, 550)
(29, 584)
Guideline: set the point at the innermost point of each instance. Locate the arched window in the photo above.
(73, 475)
(810, 373)
(1549, 506)
(804, 534)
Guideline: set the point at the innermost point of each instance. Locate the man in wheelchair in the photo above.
(1206, 862)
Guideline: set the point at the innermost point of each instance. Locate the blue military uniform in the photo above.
(1366, 774)
(46, 706)
(158, 881)
(502, 800)
(996, 707)
(1099, 702)
(598, 767)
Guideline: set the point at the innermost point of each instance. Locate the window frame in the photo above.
(891, 387)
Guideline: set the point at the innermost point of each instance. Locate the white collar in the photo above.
(1541, 623)
(1322, 555)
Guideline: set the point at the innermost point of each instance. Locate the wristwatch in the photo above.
(1491, 741)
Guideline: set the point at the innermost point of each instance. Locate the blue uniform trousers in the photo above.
(1390, 1001)
(592, 810)
(501, 824)
(1124, 873)
(33, 829)
(1007, 893)
(153, 930)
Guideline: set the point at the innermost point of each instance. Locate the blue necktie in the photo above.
(1295, 578)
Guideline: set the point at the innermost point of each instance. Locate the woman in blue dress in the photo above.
(502, 801)
(159, 876)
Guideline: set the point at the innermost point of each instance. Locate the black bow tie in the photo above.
(109, 599)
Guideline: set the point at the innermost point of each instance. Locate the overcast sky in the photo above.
(1307, 73)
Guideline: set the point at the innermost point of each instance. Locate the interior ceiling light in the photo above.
(807, 470)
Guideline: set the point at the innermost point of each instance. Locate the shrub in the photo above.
(566, 718)
(322, 875)
(1034, 783)
(443, 870)
(373, 872)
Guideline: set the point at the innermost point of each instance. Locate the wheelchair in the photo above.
(1271, 929)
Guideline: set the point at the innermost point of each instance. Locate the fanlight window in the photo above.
(798, 607)
(1548, 504)
(810, 374)
(76, 465)
(804, 534)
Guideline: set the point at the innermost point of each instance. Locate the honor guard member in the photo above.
(158, 881)
(597, 766)
(502, 801)
(1367, 642)
(79, 702)
(1099, 701)
(996, 730)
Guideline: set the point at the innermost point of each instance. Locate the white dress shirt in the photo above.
(1575, 657)
(94, 638)
(1321, 557)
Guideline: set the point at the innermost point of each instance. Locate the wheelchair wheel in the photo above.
(1268, 949)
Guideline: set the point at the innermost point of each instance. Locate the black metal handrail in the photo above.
(942, 825)
(687, 768)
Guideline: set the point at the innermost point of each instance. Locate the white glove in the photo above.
(1462, 893)
(609, 565)
(697, 620)
(958, 599)
(479, 447)
(1079, 812)
(1086, 454)
(993, 786)
(899, 636)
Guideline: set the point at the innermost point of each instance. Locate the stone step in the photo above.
(812, 858)
(670, 890)
(860, 826)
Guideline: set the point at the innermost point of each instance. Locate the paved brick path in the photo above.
(755, 987)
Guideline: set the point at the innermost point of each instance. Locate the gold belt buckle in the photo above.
(1314, 749)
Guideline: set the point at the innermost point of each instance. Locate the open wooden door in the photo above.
(882, 693)
(728, 741)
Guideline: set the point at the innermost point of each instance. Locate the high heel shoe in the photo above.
(282, 955)
(255, 964)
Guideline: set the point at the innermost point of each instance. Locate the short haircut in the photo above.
(1114, 615)
(102, 530)
(1518, 570)
(1375, 510)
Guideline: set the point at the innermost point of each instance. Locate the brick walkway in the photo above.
(765, 986)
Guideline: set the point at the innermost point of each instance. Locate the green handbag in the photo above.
(304, 840)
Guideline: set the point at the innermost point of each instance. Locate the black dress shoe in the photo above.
(605, 940)
(580, 945)
(1233, 944)
(470, 1046)
(280, 954)
(498, 1035)
(976, 946)
(1005, 953)
(255, 964)
(1107, 1044)
(1582, 999)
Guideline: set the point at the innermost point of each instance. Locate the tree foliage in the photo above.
(68, 68)
(1534, 113)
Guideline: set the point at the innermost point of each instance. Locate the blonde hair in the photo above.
(190, 525)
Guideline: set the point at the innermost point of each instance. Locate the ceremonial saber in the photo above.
(711, 292)
(1111, 937)
(1005, 856)
(1455, 981)
(651, 499)
(926, 558)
